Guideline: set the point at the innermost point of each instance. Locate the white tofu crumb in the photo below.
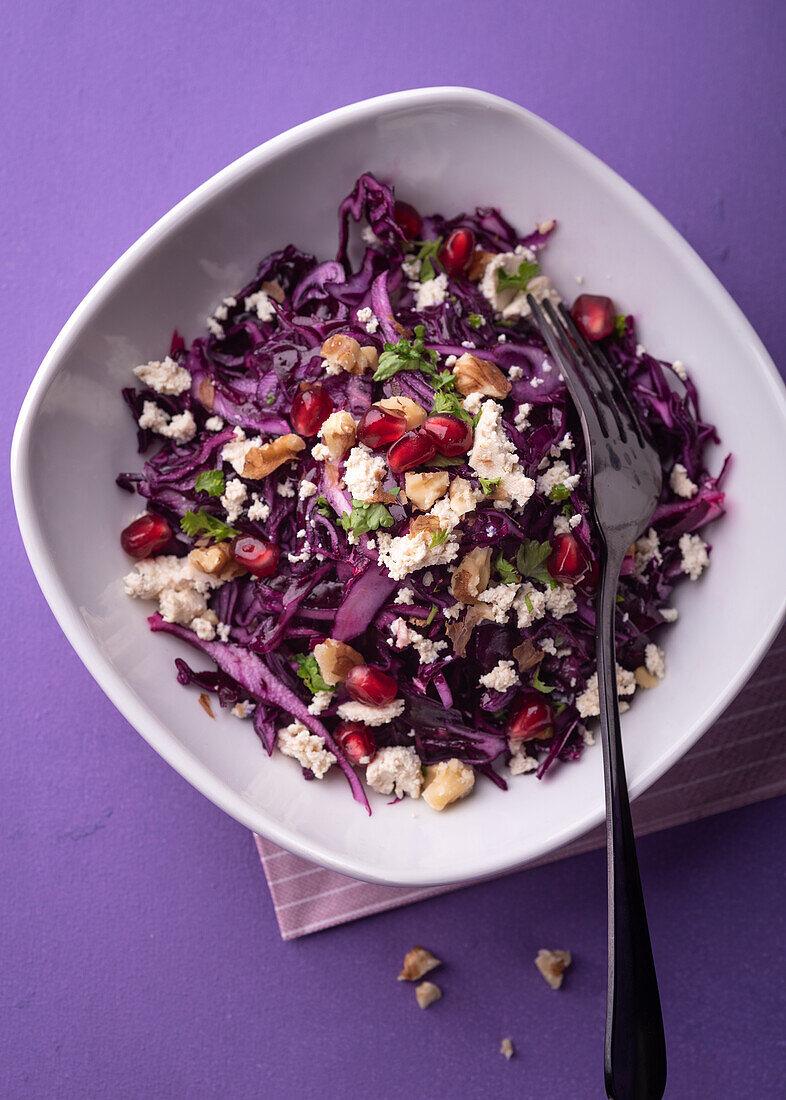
(535, 382)
(152, 576)
(520, 762)
(320, 452)
(214, 423)
(258, 510)
(529, 604)
(560, 601)
(367, 318)
(428, 577)
(500, 599)
(695, 558)
(515, 373)
(223, 631)
(431, 293)
(472, 402)
(164, 377)
(180, 428)
(411, 268)
(262, 304)
(587, 736)
(506, 1047)
(181, 605)
(679, 370)
(453, 612)
(233, 499)
(501, 677)
(521, 419)
(468, 344)
(297, 741)
(669, 614)
(396, 769)
(371, 716)
(640, 350)
(645, 550)
(214, 328)
(588, 703)
(451, 361)
(407, 553)
(243, 709)
(502, 338)
(654, 661)
(369, 236)
(306, 489)
(236, 450)
(680, 483)
(320, 701)
(364, 472)
(203, 627)
(512, 302)
(557, 474)
(565, 444)
(285, 488)
(405, 595)
(494, 456)
(426, 649)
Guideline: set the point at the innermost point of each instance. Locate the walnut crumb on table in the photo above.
(507, 1049)
(426, 993)
(418, 962)
(552, 965)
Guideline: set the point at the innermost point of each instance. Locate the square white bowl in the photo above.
(447, 149)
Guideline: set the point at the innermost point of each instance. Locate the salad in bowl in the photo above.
(366, 503)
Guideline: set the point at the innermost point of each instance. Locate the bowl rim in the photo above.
(138, 713)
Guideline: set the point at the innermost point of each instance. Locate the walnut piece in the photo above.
(338, 434)
(263, 460)
(335, 659)
(414, 412)
(527, 655)
(426, 993)
(217, 561)
(552, 965)
(462, 496)
(471, 575)
(474, 375)
(478, 264)
(274, 290)
(425, 489)
(346, 353)
(460, 631)
(446, 782)
(204, 702)
(506, 1047)
(644, 677)
(418, 962)
(206, 394)
(424, 523)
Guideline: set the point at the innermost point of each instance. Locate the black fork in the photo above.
(624, 485)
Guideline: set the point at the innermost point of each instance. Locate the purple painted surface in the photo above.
(140, 953)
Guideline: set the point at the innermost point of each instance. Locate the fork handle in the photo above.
(635, 1050)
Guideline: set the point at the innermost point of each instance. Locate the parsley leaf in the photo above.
(448, 402)
(559, 492)
(271, 397)
(559, 707)
(365, 517)
(518, 281)
(211, 482)
(406, 355)
(202, 523)
(431, 615)
(427, 254)
(488, 484)
(476, 320)
(538, 684)
(506, 570)
(443, 461)
(620, 326)
(323, 507)
(567, 511)
(531, 560)
(529, 603)
(439, 537)
(308, 671)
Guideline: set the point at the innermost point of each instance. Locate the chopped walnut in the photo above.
(206, 393)
(527, 655)
(217, 561)
(644, 677)
(335, 659)
(472, 574)
(381, 496)
(414, 412)
(477, 267)
(274, 290)
(418, 962)
(425, 489)
(460, 631)
(474, 375)
(446, 782)
(345, 353)
(552, 965)
(506, 1047)
(424, 523)
(426, 993)
(263, 460)
(204, 702)
(338, 433)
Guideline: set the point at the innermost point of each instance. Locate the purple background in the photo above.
(140, 951)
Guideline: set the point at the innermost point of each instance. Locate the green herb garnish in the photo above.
(531, 560)
(431, 615)
(202, 523)
(518, 281)
(488, 484)
(444, 461)
(439, 537)
(365, 517)
(406, 355)
(528, 602)
(538, 684)
(211, 482)
(506, 569)
(308, 671)
(559, 492)
(323, 507)
(567, 510)
(620, 326)
(476, 320)
(271, 397)
(426, 255)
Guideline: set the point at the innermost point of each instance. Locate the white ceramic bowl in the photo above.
(447, 149)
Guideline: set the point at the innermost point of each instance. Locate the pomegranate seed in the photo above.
(411, 450)
(356, 741)
(310, 409)
(456, 253)
(379, 427)
(367, 684)
(259, 556)
(567, 561)
(452, 436)
(589, 582)
(594, 315)
(408, 220)
(531, 717)
(145, 535)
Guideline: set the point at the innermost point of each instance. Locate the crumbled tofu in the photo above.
(258, 510)
(236, 450)
(320, 701)
(645, 550)
(320, 452)
(285, 488)
(244, 709)
(507, 1049)
(669, 614)
(233, 499)
(426, 993)
(181, 605)
(417, 963)
(203, 627)
(521, 419)
(214, 423)
(214, 328)
(411, 268)
(364, 472)
(494, 456)
(520, 762)
(565, 444)
(530, 605)
(297, 741)
(500, 599)
(514, 373)
(396, 769)
(679, 370)
(654, 661)
(407, 553)
(261, 304)
(552, 965)
(588, 703)
(367, 318)
(306, 489)
(152, 576)
(680, 483)
(165, 377)
(560, 601)
(405, 596)
(472, 402)
(432, 292)
(180, 428)
(513, 302)
(447, 782)
(371, 716)
(557, 474)
(695, 558)
(501, 677)
(223, 630)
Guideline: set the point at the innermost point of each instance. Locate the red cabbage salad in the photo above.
(366, 504)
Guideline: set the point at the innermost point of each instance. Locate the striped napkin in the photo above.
(741, 759)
